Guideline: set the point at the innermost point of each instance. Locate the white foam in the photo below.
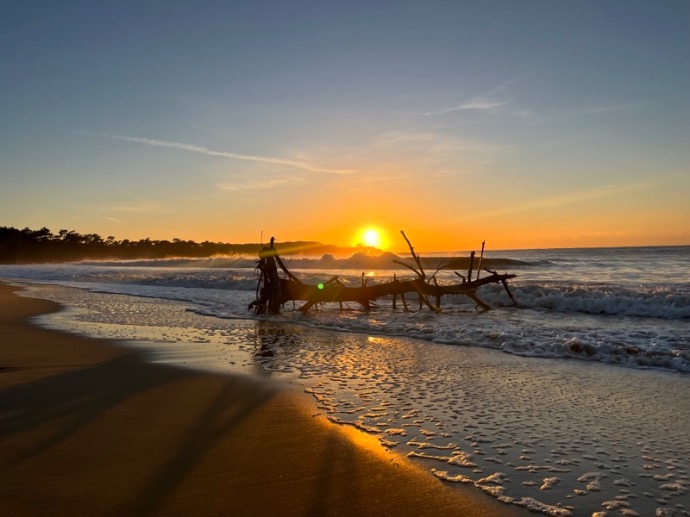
(631, 325)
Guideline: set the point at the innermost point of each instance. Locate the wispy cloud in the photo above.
(306, 166)
(478, 103)
(262, 184)
(492, 101)
(436, 142)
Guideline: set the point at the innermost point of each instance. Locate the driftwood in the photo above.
(274, 290)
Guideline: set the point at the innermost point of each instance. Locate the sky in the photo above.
(527, 124)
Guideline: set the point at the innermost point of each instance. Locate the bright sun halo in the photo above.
(372, 237)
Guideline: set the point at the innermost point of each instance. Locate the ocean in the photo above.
(575, 401)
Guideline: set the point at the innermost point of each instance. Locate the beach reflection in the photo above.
(273, 344)
(560, 437)
(270, 337)
(565, 437)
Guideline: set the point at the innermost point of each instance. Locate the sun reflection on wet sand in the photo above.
(561, 437)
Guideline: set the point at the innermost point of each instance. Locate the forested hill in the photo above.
(35, 246)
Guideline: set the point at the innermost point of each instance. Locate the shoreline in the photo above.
(89, 427)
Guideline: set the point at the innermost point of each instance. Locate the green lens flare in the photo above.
(320, 286)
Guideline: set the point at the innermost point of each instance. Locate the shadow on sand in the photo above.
(47, 414)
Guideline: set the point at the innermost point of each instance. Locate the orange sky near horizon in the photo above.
(430, 231)
(432, 218)
(427, 231)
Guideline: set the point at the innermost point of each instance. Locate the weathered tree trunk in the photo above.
(273, 291)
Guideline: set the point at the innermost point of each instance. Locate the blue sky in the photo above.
(526, 123)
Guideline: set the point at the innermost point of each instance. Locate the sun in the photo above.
(372, 237)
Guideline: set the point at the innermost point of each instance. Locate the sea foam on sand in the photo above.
(561, 437)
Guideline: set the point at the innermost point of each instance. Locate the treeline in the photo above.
(37, 246)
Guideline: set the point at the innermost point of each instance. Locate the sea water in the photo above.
(625, 306)
(568, 436)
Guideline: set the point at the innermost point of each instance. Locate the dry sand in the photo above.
(90, 428)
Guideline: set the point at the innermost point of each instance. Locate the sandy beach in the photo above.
(89, 427)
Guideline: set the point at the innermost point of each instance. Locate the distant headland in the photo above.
(28, 246)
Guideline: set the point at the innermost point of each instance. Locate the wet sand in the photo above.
(89, 427)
